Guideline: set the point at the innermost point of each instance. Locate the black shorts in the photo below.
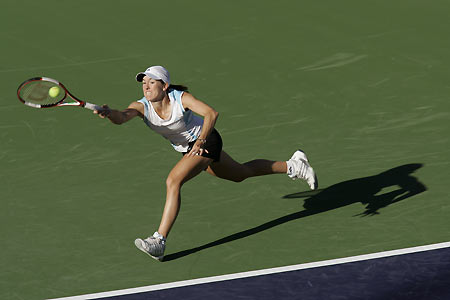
(213, 145)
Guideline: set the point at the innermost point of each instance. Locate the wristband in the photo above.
(202, 140)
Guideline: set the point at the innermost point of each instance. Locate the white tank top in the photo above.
(181, 128)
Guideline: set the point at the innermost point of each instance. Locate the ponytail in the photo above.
(178, 87)
(175, 86)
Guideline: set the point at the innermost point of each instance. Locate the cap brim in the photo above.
(140, 76)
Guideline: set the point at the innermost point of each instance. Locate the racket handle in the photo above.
(92, 106)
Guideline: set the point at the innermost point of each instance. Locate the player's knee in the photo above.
(240, 175)
(238, 178)
(173, 182)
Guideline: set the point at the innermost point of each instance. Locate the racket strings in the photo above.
(38, 92)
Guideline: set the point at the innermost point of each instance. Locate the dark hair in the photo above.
(178, 87)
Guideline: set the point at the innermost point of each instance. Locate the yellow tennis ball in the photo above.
(53, 92)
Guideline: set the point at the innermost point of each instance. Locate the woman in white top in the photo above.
(168, 109)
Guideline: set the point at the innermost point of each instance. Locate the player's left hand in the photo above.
(197, 149)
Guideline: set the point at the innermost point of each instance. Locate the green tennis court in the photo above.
(361, 86)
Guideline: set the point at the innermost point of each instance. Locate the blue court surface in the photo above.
(411, 273)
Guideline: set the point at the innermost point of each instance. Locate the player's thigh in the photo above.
(228, 168)
(187, 168)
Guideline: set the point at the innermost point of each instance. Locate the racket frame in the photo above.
(61, 102)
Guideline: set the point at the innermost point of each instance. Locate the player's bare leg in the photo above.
(185, 169)
(297, 168)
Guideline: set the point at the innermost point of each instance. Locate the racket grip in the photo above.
(92, 106)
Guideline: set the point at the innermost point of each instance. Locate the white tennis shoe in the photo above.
(299, 154)
(153, 246)
(299, 168)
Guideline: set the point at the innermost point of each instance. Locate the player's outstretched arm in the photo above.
(135, 109)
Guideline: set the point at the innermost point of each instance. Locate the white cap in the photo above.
(155, 72)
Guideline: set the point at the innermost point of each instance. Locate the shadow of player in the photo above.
(367, 191)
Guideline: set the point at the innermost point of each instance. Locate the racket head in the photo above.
(34, 92)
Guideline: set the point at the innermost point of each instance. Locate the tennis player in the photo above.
(188, 124)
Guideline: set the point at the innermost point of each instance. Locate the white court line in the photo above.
(324, 263)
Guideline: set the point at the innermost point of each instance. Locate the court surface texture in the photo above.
(362, 87)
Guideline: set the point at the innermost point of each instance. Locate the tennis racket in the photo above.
(44, 92)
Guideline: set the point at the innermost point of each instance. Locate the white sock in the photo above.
(159, 236)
